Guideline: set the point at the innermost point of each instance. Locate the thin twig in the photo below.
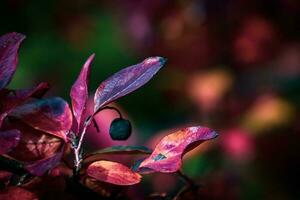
(77, 147)
(189, 185)
(96, 125)
(110, 108)
(186, 179)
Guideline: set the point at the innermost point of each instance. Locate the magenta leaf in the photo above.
(126, 81)
(113, 172)
(79, 91)
(40, 167)
(9, 140)
(168, 153)
(9, 99)
(51, 115)
(9, 45)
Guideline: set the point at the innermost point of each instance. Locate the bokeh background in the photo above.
(232, 65)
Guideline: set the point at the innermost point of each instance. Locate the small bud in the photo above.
(120, 129)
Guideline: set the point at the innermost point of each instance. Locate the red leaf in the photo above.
(39, 167)
(9, 99)
(5, 176)
(126, 81)
(113, 172)
(79, 91)
(9, 45)
(34, 144)
(17, 193)
(51, 115)
(9, 140)
(167, 154)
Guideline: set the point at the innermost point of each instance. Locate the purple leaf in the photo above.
(51, 115)
(126, 81)
(9, 45)
(39, 167)
(9, 140)
(167, 154)
(79, 91)
(9, 99)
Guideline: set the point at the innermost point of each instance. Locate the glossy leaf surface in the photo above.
(79, 91)
(9, 46)
(113, 172)
(51, 115)
(168, 153)
(126, 81)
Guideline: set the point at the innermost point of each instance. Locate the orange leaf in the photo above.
(113, 172)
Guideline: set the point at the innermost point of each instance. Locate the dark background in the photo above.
(232, 65)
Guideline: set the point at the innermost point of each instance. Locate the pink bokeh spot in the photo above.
(238, 144)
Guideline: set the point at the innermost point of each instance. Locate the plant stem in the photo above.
(186, 179)
(111, 108)
(77, 147)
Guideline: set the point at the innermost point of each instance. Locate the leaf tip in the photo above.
(91, 58)
(157, 59)
(20, 36)
(214, 134)
(162, 60)
(15, 36)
